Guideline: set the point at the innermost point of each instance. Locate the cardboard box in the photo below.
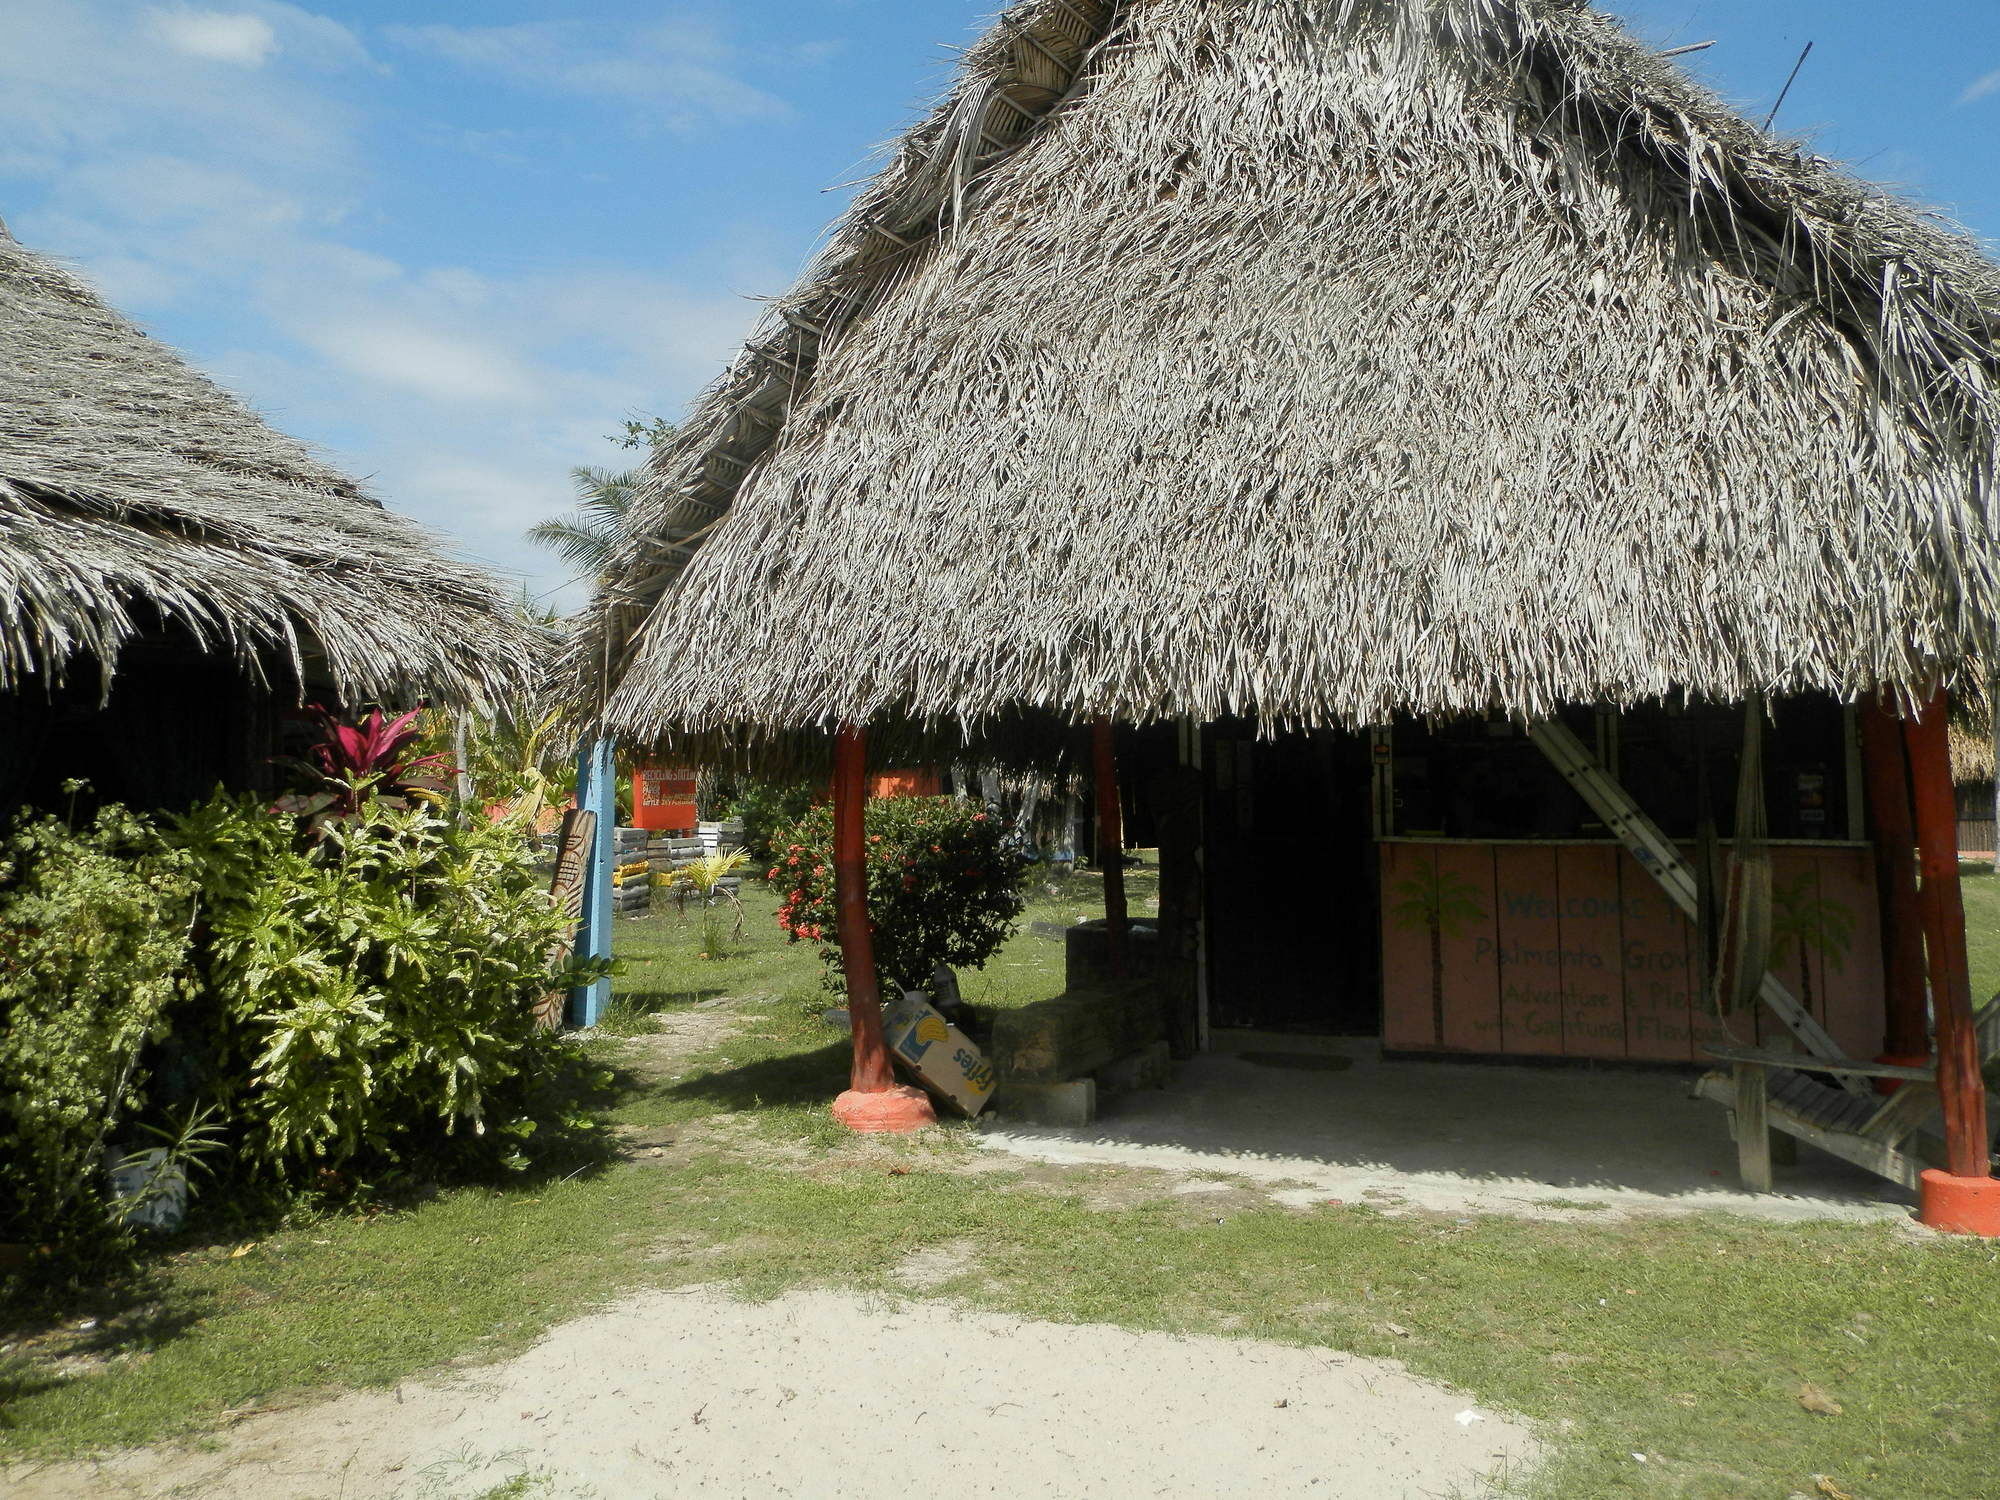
(945, 1060)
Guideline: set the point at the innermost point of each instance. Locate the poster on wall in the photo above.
(663, 798)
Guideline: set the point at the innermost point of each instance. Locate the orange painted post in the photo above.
(1885, 770)
(1964, 1197)
(873, 1101)
(1110, 845)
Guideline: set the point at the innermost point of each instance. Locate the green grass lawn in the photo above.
(668, 963)
(1982, 928)
(1690, 1341)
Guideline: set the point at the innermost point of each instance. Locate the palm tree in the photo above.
(585, 536)
(1444, 904)
(1807, 922)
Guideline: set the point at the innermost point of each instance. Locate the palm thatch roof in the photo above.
(1972, 746)
(1322, 360)
(135, 494)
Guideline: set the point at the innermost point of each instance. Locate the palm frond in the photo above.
(577, 538)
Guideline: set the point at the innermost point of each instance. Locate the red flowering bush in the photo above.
(943, 886)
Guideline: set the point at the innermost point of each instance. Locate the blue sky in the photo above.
(455, 243)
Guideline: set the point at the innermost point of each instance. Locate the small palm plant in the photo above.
(702, 879)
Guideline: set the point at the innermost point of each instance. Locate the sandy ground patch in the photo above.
(822, 1394)
(1444, 1138)
(679, 1035)
(1301, 1182)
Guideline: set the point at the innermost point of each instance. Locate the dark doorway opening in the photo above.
(1290, 880)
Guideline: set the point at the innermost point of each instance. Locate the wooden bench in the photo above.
(1891, 1135)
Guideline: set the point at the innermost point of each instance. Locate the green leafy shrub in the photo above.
(373, 987)
(94, 929)
(943, 886)
(767, 809)
(308, 1007)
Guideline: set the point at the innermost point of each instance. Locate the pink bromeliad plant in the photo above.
(373, 758)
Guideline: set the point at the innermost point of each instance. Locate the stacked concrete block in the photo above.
(669, 851)
(724, 837)
(1057, 1057)
(631, 872)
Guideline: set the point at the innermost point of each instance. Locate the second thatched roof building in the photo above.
(174, 573)
(1322, 362)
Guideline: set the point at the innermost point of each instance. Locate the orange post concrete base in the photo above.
(1900, 1060)
(1960, 1205)
(898, 1110)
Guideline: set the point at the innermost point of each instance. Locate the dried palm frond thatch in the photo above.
(1321, 360)
(1971, 747)
(135, 494)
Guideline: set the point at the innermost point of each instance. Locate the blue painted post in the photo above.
(596, 792)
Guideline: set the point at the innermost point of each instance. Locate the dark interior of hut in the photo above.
(177, 722)
(1292, 823)
(1291, 882)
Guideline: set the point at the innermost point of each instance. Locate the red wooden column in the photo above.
(1110, 845)
(873, 1101)
(1965, 1197)
(1886, 771)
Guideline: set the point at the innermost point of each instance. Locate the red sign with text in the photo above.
(663, 799)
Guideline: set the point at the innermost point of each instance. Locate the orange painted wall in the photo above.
(663, 799)
(1571, 950)
(918, 783)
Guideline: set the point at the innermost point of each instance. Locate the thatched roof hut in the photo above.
(1320, 362)
(136, 496)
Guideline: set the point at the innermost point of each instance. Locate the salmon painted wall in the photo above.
(663, 799)
(1571, 950)
(915, 783)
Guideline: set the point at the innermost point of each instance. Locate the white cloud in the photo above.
(81, 84)
(160, 190)
(1981, 87)
(674, 74)
(815, 54)
(219, 36)
(221, 198)
(424, 361)
(311, 38)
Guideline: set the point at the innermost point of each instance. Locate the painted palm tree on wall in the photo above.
(1803, 923)
(1443, 904)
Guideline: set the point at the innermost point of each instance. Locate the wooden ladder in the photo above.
(1659, 858)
